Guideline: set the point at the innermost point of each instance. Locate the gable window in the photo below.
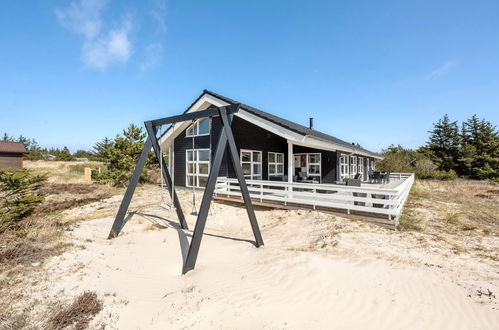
(360, 168)
(343, 167)
(198, 128)
(251, 162)
(276, 163)
(353, 165)
(197, 167)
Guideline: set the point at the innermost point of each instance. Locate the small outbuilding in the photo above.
(11, 154)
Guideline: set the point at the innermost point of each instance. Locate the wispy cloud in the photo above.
(158, 13)
(441, 70)
(153, 57)
(101, 48)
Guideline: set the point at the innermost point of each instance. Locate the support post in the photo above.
(134, 180)
(290, 162)
(240, 177)
(192, 255)
(152, 131)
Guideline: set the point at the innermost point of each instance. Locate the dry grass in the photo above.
(62, 172)
(78, 314)
(462, 213)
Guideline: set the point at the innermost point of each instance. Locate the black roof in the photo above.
(297, 128)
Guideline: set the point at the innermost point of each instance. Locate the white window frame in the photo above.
(360, 167)
(310, 174)
(308, 164)
(344, 168)
(196, 163)
(275, 163)
(353, 166)
(252, 175)
(194, 127)
(373, 165)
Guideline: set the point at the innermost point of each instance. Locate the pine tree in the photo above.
(444, 144)
(64, 155)
(100, 147)
(123, 154)
(480, 149)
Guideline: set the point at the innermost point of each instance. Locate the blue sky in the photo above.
(372, 72)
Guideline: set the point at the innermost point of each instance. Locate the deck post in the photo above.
(290, 162)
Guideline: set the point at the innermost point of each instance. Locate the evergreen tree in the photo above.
(479, 154)
(100, 147)
(64, 154)
(123, 154)
(444, 144)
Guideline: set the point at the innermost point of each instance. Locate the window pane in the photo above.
(257, 169)
(191, 168)
(257, 156)
(314, 158)
(189, 156)
(204, 155)
(203, 168)
(202, 181)
(246, 156)
(204, 126)
(257, 177)
(280, 168)
(191, 180)
(272, 169)
(271, 157)
(190, 130)
(314, 169)
(280, 158)
(246, 169)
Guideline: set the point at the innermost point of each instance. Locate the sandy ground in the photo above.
(316, 271)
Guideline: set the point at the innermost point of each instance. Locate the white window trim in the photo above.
(319, 175)
(196, 125)
(319, 164)
(344, 165)
(252, 176)
(196, 163)
(275, 163)
(353, 166)
(360, 166)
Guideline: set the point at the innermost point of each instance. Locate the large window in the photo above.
(314, 167)
(251, 162)
(353, 165)
(276, 163)
(343, 167)
(360, 168)
(197, 167)
(199, 127)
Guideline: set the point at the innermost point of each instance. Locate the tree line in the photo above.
(469, 150)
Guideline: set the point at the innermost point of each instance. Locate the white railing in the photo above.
(365, 199)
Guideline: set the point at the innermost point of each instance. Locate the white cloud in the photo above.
(153, 56)
(100, 49)
(82, 18)
(111, 48)
(159, 15)
(441, 70)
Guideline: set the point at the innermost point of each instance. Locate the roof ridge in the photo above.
(298, 128)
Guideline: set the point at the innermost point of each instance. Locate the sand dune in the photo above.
(307, 276)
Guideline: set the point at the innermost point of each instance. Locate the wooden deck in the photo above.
(377, 203)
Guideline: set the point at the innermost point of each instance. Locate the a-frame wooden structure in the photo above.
(224, 114)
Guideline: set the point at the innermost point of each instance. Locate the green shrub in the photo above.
(437, 175)
(18, 190)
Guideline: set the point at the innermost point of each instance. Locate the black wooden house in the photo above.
(270, 148)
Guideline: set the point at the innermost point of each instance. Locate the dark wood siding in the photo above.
(252, 137)
(11, 161)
